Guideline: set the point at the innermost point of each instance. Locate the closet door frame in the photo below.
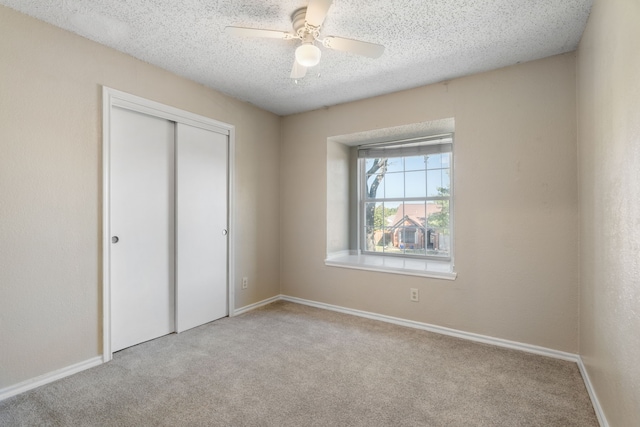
(115, 98)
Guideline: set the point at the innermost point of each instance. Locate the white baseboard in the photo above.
(441, 330)
(543, 351)
(81, 366)
(255, 305)
(49, 377)
(592, 394)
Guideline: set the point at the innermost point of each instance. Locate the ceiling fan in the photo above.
(307, 23)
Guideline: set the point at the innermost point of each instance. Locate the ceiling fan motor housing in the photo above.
(298, 20)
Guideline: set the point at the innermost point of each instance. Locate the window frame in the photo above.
(396, 149)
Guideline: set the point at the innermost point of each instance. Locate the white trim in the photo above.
(344, 253)
(49, 377)
(231, 206)
(135, 103)
(392, 264)
(107, 354)
(115, 98)
(529, 348)
(258, 304)
(592, 394)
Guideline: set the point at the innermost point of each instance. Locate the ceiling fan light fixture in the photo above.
(308, 55)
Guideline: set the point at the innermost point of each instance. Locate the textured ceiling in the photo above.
(426, 41)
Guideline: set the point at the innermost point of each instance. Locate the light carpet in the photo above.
(287, 364)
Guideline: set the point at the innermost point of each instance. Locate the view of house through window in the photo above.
(405, 198)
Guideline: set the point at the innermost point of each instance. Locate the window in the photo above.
(408, 227)
(405, 198)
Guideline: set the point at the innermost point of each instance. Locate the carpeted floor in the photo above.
(292, 365)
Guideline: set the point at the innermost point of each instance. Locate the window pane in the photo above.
(414, 240)
(393, 212)
(446, 182)
(434, 183)
(414, 226)
(418, 251)
(395, 164)
(446, 160)
(414, 163)
(393, 215)
(398, 241)
(374, 226)
(438, 242)
(368, 163)
(378, 191)
(368, 240)
(410, 240)
(438, 214)
(434, 161)
(394, 185)
(415, 184)
(369, 214)
(414, 214)
(438, 235)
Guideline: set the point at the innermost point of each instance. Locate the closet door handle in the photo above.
(224, 232)
(115, 239)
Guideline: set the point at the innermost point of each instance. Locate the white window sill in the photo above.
(393, 265)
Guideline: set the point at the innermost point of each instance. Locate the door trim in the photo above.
(115, 98)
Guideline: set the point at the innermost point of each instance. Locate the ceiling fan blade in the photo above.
(372, 50)
(256, 32)
(316, 11)
(298, 71)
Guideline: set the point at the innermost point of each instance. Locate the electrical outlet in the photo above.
(415, 296)
(245, 282)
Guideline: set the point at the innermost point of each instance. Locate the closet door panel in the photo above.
(142, 228)
(201, 226)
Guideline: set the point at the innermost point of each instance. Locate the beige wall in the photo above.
(515, 181)
(50, 189)
(609, 170)
(516, 206)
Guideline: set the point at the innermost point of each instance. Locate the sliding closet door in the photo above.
(201, 226)
(142, 227)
